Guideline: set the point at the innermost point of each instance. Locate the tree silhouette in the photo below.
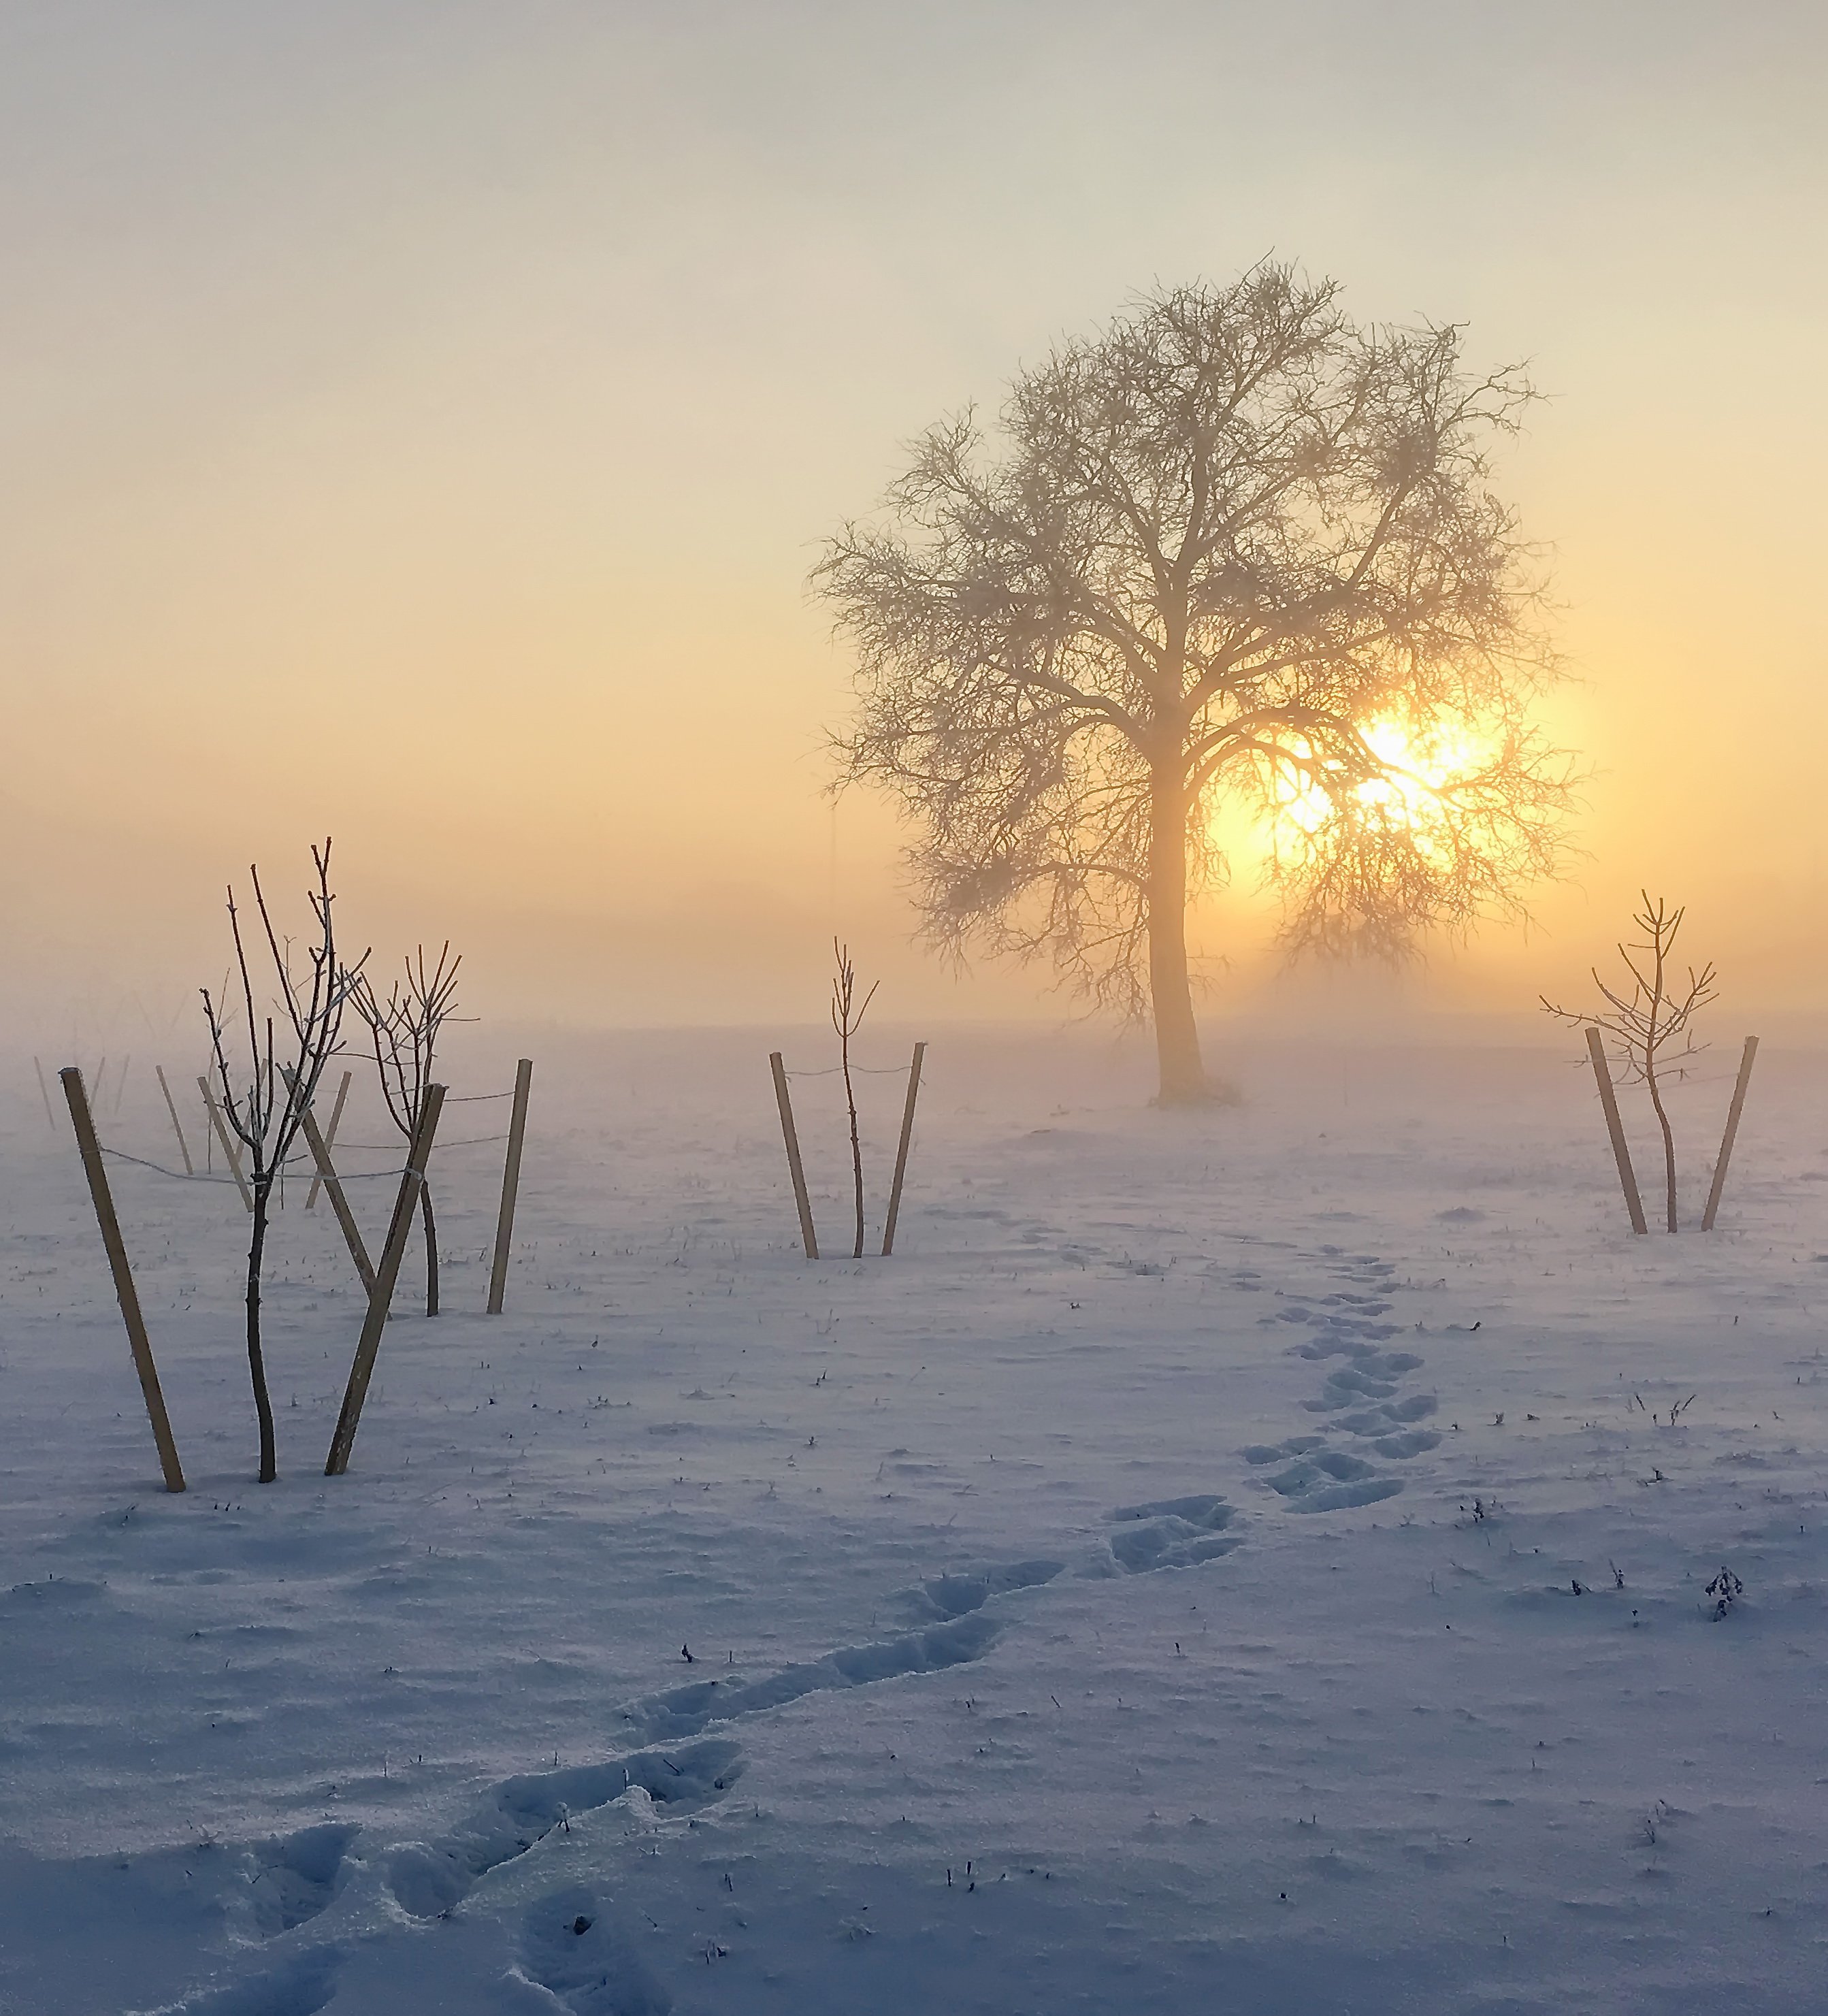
(265, 1095)
(847, 1014)
(1650, 1030)
(405, 1030)
(1229, 548)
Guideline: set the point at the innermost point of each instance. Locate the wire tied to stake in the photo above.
(866, 1070)
(384, 1147)
(301, 1161)
(159, 1169)
(291, 1162)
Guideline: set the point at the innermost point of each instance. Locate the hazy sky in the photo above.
(416, 422)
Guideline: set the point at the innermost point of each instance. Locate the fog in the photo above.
(419, 424)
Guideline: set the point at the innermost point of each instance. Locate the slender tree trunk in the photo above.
(1183, 1079)
(1668, 1147)
(431, 1250)
(856, 1146)
(257, 1364)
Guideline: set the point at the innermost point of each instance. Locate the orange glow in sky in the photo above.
(419, 423)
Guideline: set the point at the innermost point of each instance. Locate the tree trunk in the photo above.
(257, 1365)
(1668, 1147)
(856, 1150)
(1183, 1079)
(431, 1250)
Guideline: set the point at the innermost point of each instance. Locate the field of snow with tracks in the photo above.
(1255, 1560)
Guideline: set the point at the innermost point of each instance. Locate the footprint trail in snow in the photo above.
(1361, 1396)
(572, 1956)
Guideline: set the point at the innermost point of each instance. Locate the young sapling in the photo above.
(404, 1031)
(1650, 1030)
(847, 1015)
(263, 1096)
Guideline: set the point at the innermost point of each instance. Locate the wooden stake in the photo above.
(170, 1107)
(1726, 1140)
(796, 1167)
(1615, 1127)
(311, 1196)
(888, 1229)
(45, 1094)
(326, 1175)
(510, 1185)
(387, 1274)
(227, 1140)
(90, 1148)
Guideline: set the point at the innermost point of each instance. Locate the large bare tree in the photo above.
(1235, 546)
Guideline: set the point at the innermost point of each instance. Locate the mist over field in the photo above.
(458, 398)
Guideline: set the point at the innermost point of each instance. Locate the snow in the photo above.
(1154, 1589)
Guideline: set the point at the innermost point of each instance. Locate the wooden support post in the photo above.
(311, 1196)
(796, 1168)
(326, 1175)
(888, 1229)
(510, 1186)
(381, 1296)
(227, 1139)
(45, 1094)
(1615, 1127)
(91, 1149)
(170, 1107)
(1727, 1139)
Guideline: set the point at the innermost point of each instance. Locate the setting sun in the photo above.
(1419, 765)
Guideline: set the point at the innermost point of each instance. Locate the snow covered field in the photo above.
(1154, 1589)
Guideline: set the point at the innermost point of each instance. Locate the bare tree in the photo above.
(1649, 1031)
(847, 1015)
(265, 1095)
(1231, 547)
(404, 1029)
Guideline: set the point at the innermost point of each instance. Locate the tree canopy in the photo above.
(1236, 545)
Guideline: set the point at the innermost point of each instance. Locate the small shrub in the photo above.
(1726, 1589)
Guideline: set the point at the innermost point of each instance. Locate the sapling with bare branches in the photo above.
(1650, 1030)
(404, 1029)
(847, 1014)
(267, 1091)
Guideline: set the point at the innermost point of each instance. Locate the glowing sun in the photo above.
(1421, 765)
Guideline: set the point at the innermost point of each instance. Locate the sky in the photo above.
(417, 422)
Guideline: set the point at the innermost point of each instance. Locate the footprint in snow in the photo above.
(296, 1875)
(1331, 1481)
(301, 1988)
(1362, 1397)
(1172, 1533)
(429, 1878)
(956, 1631)
(684, 1711)
(949, 1596)
(573, 1959)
